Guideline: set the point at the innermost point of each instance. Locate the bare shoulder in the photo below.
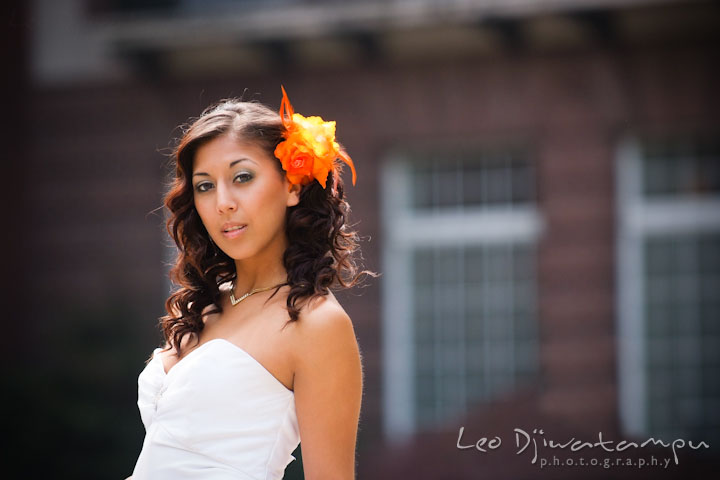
(321, 306)
(322, 314)
(323, 322)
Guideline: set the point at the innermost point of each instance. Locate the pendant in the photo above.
(234, 301)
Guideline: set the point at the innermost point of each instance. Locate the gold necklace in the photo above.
(236, 301)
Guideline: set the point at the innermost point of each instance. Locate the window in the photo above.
(669, 288)
(459, 306)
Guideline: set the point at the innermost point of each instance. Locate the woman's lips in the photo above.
(235, 232)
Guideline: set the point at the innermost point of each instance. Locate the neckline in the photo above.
(234, 347)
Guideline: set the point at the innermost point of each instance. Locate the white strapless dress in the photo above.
(217, 415)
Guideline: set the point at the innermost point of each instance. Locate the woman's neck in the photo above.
(258, 275)
(265, 269)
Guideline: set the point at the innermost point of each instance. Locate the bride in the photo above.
(259, 354)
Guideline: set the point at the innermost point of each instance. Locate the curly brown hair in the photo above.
(321, 247)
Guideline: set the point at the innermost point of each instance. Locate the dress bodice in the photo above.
(217, 414)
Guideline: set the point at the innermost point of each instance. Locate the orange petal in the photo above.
(286, 108)
(346, 158)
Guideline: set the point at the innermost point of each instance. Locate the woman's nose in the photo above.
(225, 200)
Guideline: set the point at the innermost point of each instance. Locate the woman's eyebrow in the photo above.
(229, 166)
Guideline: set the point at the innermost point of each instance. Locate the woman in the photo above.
(259, 353)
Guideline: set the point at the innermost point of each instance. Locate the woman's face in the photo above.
(235, 184)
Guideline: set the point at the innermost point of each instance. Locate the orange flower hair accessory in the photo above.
(309, 150)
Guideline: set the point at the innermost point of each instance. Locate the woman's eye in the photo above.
(241, 177)
(202, 187)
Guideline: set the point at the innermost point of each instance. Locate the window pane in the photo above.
(683, 335)
(471, 178)
(681, 167)
(475, 326)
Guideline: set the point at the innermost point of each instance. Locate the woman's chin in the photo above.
(237, 253)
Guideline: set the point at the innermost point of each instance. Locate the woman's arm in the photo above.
(328, 389)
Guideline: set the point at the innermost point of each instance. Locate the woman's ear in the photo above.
(294, 195)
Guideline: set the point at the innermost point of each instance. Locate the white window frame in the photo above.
(403, 230)
(638, 217)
